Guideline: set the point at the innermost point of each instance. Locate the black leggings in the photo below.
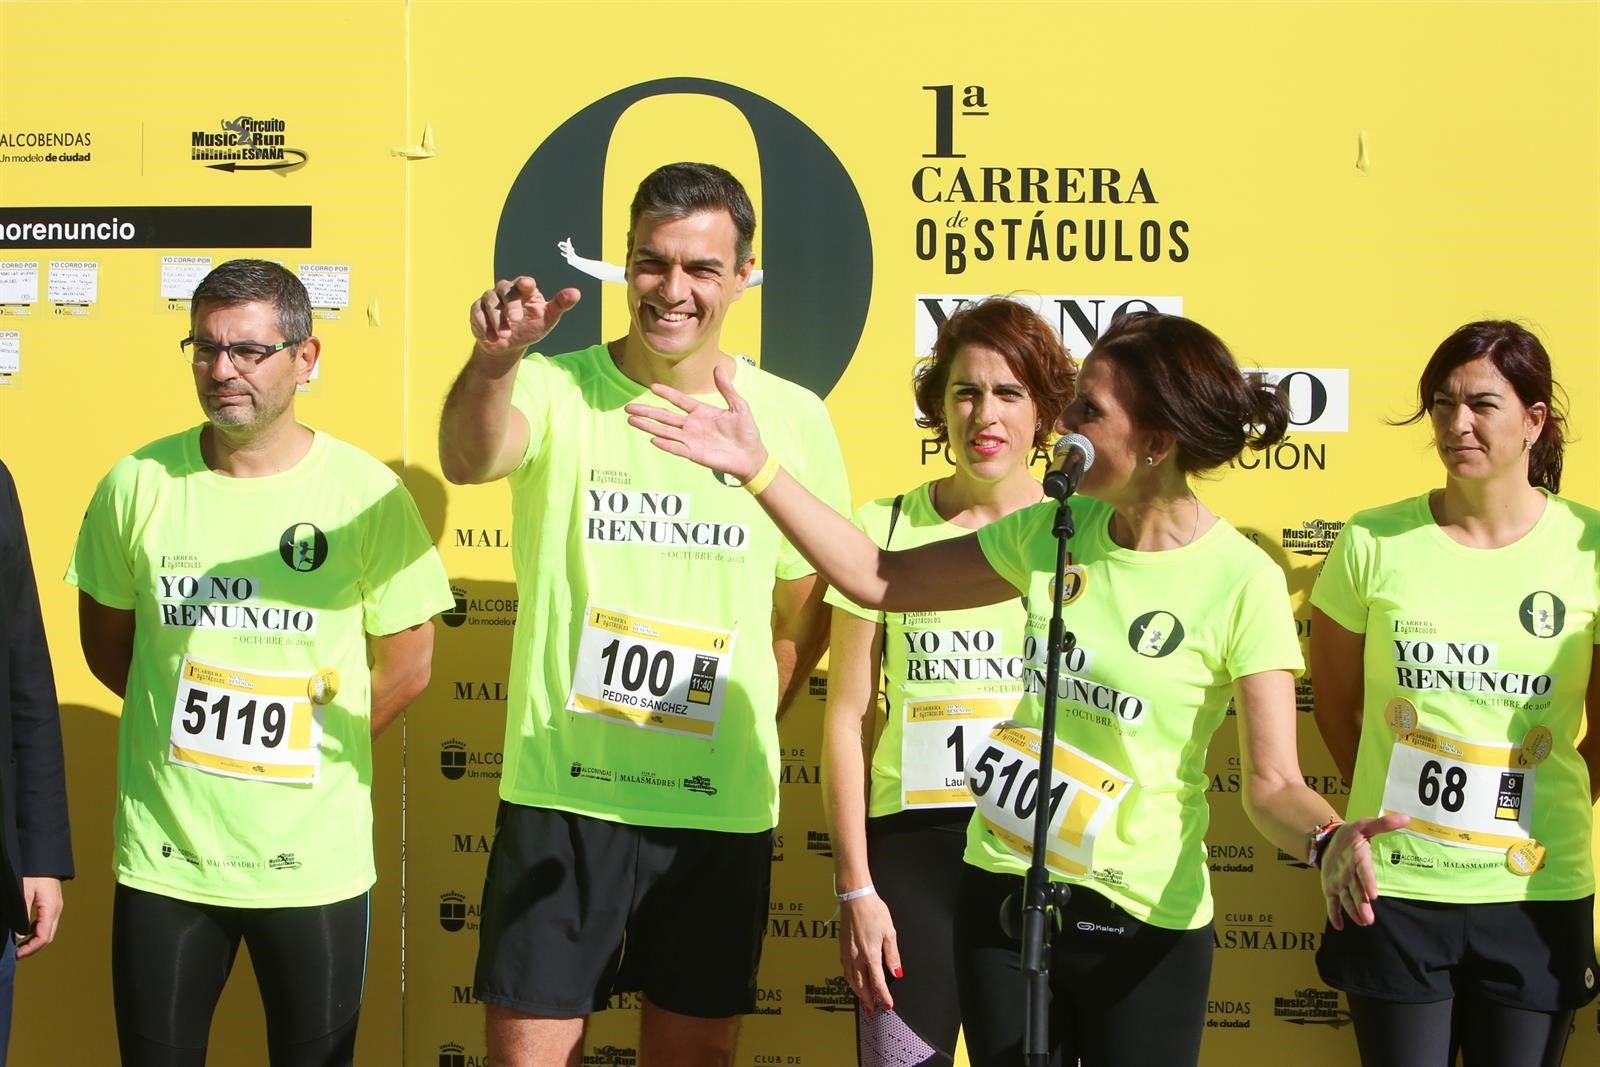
(170, 959)
(1122, 993)
(1487, 1034)
(916, 865)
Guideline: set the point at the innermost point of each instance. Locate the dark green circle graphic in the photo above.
(1155, 634)
(303, 547)
(1542, 614)
(816, 246)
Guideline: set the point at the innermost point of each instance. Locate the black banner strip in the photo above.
(234, 226)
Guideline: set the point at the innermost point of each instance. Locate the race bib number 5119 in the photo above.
(255, 725)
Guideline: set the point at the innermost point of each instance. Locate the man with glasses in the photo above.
(235, 581)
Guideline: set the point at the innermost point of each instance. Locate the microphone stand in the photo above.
(1042, 899)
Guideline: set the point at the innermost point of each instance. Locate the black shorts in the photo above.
(577, 909)
(1537, 955)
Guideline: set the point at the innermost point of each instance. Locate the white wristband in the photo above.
(856, 894)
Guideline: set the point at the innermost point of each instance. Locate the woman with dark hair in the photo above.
(992, 393)
(1174, 613)
(1458, 722)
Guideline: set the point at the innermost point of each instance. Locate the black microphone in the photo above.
(1072, 456)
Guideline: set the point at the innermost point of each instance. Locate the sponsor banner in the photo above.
(46, 146)
(479, 605)
(890, 183)
(245, 143)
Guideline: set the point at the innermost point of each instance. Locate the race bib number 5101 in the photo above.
(651, 673)
(1084, 796)
(256, 725)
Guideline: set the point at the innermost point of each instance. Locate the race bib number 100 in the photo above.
(1084, 796)
(651, 673)
(255, 725)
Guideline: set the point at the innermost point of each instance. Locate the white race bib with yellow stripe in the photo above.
(1460, 792)
(651, 673)
(1084, 796)
(256, 725)
(938, 739)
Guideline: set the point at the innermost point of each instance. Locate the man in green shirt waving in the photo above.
(662, 622)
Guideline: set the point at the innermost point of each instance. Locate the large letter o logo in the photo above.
(816, 248)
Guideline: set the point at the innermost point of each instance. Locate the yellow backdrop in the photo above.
(1332, 187)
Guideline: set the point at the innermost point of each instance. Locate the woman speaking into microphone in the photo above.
(1453, 642)
(1174, 613)
(992, 393)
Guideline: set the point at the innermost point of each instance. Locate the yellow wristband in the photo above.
(763, 477)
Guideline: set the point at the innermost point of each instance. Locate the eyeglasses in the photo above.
(246, 355)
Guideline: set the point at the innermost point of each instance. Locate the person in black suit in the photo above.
(35, 845)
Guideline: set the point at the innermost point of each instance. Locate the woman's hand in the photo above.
(726, 441)
(868, 950)
(1349, 885)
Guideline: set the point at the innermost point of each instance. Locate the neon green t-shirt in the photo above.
(643, 688)
(1161, 638)
(1484, 647)
(949, 674)
(235, 786)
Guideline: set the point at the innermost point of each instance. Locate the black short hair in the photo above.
(677, 190)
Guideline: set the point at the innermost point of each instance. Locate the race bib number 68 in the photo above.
(1470, 794)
